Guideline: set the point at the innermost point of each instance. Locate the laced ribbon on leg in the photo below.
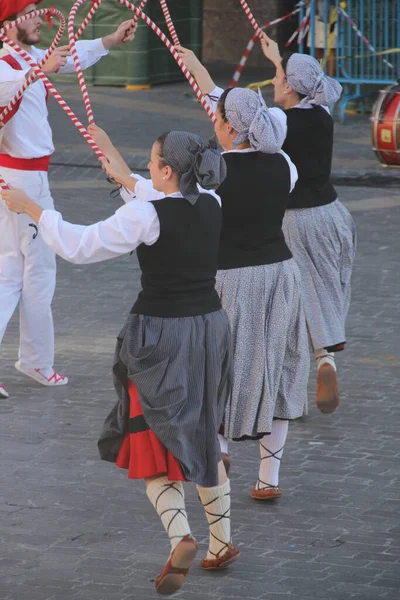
(168, 499)
(176, 511)
(268, 486)
(217, 506)
(224, 545)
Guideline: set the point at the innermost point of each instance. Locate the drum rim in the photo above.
(376, 120)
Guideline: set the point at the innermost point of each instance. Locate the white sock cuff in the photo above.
(212, 493)
(155, 486)
(328, 359)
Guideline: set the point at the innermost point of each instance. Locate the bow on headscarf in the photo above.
(305, 76)
(248, 114)
(194, 162)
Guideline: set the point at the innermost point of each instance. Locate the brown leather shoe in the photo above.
(269, 493)
(327, 397)
(172, 577)
(220, 562)
(226, 459)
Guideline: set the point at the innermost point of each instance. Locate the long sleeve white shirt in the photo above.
(28, 133)
(133, 224)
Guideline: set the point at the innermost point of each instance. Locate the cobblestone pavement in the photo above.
(74, 528)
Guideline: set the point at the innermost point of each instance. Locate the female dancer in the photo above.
(318, 228)
(258, 281)
(172, 360)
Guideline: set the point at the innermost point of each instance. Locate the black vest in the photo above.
(254, 197)
(309, 143)
(178, 271)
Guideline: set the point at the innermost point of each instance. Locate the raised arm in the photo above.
(133, 185)
(271, 50)
(107, 147)
(91, 51)
(199, 72)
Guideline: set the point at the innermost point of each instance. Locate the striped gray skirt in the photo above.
(270, 347)
(323, 243)
(181, 368)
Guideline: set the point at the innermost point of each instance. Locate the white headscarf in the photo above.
(248, 114)
(305, 76)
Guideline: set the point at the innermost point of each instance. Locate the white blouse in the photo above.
(133, 224)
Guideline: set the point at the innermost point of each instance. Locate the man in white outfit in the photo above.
(27, 265)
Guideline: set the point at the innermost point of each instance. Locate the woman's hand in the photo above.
(190, 59)
(114, 169)
(270, 49)
(19, 202)
(113, 157)
(199, 72)
(101, 138)
(117, 169)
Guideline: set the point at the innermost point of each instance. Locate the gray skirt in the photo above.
(181, 368)
(323, 244)
(270, 347)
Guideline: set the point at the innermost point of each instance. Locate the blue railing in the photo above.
(360, 42)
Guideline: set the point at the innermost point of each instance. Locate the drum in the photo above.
(386, 126)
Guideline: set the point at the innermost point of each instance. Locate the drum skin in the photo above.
(386, 126)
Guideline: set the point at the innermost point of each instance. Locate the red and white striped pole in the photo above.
(73, 37)
(32, 77)
(250, 46)
(94, 6)
(251, 18)
(39, 73)
(169, 23)
(53, 91)
(51, 12)
(174, 53)
(141, 7)
(304, 22)
(74, 54)
(359, 33)
(55, 94)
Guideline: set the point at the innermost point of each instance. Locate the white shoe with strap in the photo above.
(48, 379)
(3, 392)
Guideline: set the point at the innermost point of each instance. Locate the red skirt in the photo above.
(141, 451)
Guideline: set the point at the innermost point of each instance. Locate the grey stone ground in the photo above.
(74, 528)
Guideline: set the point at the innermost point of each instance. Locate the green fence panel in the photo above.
(146, 60)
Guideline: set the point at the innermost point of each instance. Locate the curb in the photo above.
(365, 180)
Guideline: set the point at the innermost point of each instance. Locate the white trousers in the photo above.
(27, 272)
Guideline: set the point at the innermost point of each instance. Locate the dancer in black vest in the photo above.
(173, 356)
(318, 228)
(258, 280)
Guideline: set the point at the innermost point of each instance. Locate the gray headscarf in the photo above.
(194, 162)
(305, 76)
(248, 114)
